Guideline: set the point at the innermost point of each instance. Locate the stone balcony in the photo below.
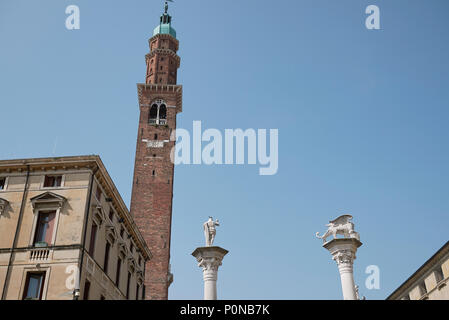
(40, 254)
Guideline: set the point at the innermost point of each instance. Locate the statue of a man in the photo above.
(357, 294)
(210, 231)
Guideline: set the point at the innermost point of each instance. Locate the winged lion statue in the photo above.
(341, 226)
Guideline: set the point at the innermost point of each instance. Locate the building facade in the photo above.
(429, 282)
(160, 100)
(66, 233)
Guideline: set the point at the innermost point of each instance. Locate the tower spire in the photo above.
(166, 6)
(164, 26)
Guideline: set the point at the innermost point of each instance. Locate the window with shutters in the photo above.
(44, 229)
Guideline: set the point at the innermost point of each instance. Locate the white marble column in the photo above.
(210, 259)
(344, 253)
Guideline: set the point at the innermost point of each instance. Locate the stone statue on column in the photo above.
(209, 259)
(343, 251)
(341, 226)
(210, 231)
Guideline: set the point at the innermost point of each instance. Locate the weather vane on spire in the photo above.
(166, 5)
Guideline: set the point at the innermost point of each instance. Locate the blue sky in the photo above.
(362, 118)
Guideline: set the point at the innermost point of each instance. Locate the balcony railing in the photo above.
(161, 122)
(39, 254)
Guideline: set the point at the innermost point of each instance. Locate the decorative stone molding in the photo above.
(209, 264)
(111, 234)
(131, 265)
(140, 277)
(345, 260)
(155, 144)
(344, 257)
(3, 206)
(48, 199)
(123, 250)
(98, 214)
(42, 254)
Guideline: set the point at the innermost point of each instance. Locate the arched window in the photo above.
(158, 113)
(153, 113)
(163, 112)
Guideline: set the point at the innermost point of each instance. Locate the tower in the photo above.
(160, 100)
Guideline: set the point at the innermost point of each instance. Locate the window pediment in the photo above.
(131, 265)
(3, 205)
(98, 214)
(48, 199)
(111, 233)
(123, 250)
(140, 277)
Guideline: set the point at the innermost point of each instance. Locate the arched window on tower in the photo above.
(163, 114)
(158, 113)
(153, 114)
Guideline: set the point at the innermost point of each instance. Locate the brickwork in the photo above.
(151, 203)
(162, 61)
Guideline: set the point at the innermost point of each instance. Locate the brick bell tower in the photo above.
(160, 100)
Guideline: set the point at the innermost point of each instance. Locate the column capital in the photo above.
(345, 260)
(209, 258)
(343, 252)
(209, 263)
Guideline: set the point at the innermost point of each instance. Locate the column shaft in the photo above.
(347, 282)
(210, 290)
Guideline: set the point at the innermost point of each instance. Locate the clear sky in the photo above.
(362, 118)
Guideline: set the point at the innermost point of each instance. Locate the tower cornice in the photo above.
(164, 51)
(161, 89)
(164, 36)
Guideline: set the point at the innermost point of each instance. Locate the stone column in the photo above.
(344, 253)
(209, 259)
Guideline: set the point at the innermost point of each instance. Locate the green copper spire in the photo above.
(164, 26)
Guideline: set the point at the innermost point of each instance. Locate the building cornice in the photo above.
(426, 267)
(90, 162)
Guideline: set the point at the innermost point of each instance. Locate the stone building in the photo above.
(429, 282)
(61, 215)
